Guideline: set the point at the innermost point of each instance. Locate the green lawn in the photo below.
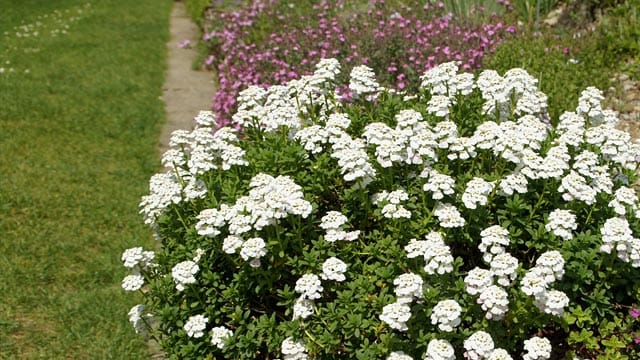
(80, 116)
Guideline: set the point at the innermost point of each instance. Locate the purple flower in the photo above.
(634, 313)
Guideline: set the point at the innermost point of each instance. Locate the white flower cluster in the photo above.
(408, 287)
(333, 269)
(293, 350)
(363, 82)
(136, 260)
(166, 189)
(410, 142)
(561, 223)
(477, 192)
(195, 326)
(517, 90)
(617, 236)
(624, 198)
(398, 355)
(479, 346)
(446, 314)
(439, 350)
(184, 273)
(139, 320)
(548, 269)
(494, 300)
(396, 315)
(445, 80)
(392, 208)
(309, 286)
(494, 240)
(436, 254)
(333, 224)
(537, 348)
(438, 184)
(449, 216)
(219, 336)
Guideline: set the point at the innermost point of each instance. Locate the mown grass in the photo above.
(78, 136)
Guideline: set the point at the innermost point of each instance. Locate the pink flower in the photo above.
(634, 313)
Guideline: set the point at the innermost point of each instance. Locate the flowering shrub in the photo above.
(455, 221)
(248, 52)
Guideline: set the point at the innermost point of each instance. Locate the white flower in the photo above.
(617, 235)
(396, 315)
(495, 239)
(537, 348)
(195, 325)
(253, 248)
(552, 302)
(536, 281)
(438, 184)
(398, 355)
(446, 314)
(408, 287)
(231, 244)
(132, 282)
(574, 187)
(363, 82)
(493, 300)
(293, 350)
(553, 262)
(333, 269)
(333, 220)
(183, 274)
(476, 192)
(438, 259)
(499, 354)
(303, 308)
(449, 216)
(209, 221)
(504, 267)
(309, 286)
(561, 223)
(477, 279)
(624, 196)
(137, 257)
(479, 346)
(439, 105)
(219, 335)
(417, 248)
(139, 319)
(439, 350)
(514, 183)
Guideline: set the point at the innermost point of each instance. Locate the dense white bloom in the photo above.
(231, 244)
(309, 286)
(476, 192)
(574, 187)
(303, 308)
(132, 282)
(494, 240)
(461, 148)
(446, 314)
(164, 189)
(617, 235)
(327, 69)
(392, 208)
(136, 257)
(209, 221)
(439, 105)
(449, 216)
(438, 184)
(416, 248)
(333, 220)
(514, 183)
(552, 302)
(553, 263)
(589, 105)
(624, 197)
(441, 79)
(477, 279)
(363, 82)
(479, 346)
(499, 354)
(537, 348)
(535, 281)
(293, 350)
(503, 267)
(438, 259)
(408, 287)
(445, 133)
(561, 223)
(494, 301)
(253, 248)
(396, 315)
(219, 335)
(183, 274)
(333, 269)
(139, 320)
(439, 350)
(353, 159)
(312, 138)
(195, 325)
(398, 355)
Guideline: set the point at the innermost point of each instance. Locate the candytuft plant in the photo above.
(454, 221)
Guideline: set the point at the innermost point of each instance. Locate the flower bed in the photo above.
(458, 220)
(270, 43)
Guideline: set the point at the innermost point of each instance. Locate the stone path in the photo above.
(186, 91)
